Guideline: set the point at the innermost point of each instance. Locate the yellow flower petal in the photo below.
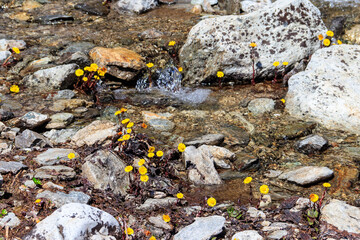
(211, 202)
(264, 189)
(247, 180)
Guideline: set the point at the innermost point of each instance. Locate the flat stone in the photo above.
(55, 172)
(159, 222)
(33, 119)
(6, 44)
(209, 139)
(162, 125)
(60, 120)
(294, 130)
(153, 204)
(13, 167)
(74, 47)
(69, 104)
(151, 34)
(60, 198)
(261, 105)
(202, 229)
(4, 55)
(10, 220)
(30, 139)
(60, 136)
(51, 185)
(62, 94)
(279, 234)
(247, 235)
(135, 6)
(275, 226)
(308, 175)
(219, 155)
(54, 19)
(76, 221)
(312, 144)
(54, 156)
(96, 9)
(96, 132)
(245, 161)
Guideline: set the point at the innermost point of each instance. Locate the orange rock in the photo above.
(117, 60)
(30, 4)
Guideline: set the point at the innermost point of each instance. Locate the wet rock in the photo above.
(203, 228)
(202, 169)
(159, 222)
(153, 204)
(59, 77)
(60, 198)
(262, 138)
(76, 221)
(53, 19)
(62, 94)
(230, 175)
(33, 120)
(96, 132)
(10, 220)
(294, 130)
(83, 47)
(235, 136)
(13, 167)
(150, 115)
(240, 119)
(338, 25)
(60, 136)
(312, 144)
(308, 175)
(6, 45)
(246, 235)
(261, 105)
(60, 120)
(341, 215)
(245, 161)
(119, 62)
(53, 156)
(252, 6)
(96, 9)
(209, 139)
(55, 172)
(30, 139)
(135, 6)
(233, 53)
(105, 170)
(162, 125)
(255, 214)
(151, 34)
(69, 104)
(4, 55)
(329, 81)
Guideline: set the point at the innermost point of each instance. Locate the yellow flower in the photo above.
(130, 124)
(71, 155)
(152, 238)
(275, 64)
(141, 162)
(179, 195)
(247, 180)
(14, 89)
(142, 170)
(126, 120)
(339, 42)
(314, 198)
(252, 44)
(151, 155)
(96, 77)
(159, 153)
(220, 74)
(87, 68)
(172, 43)
(16, 50)
(285, 63)
(38, 200)
(180, 69)
(126, 137)
(144, 178)
(143, 125)
(181, 147)
(320, 37)
(84, 79)
(128, 168)
(211, 202)
(102, 71)
(282, 100)
(149, 65)
(120, 140)
(128, 130)
(327, 185)
(117, 113)
(123, 110)
(330, 33)
(326, 42)
(79, 72)
(166, 218)
(129, 231)
(264, 189)
(94, 67)
(151, 149)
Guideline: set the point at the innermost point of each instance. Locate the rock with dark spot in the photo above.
(29, 139)
(76, 221)
(338, 25)
(94, 8)
(83, 47)
(60, 198)
(6, 115)
(33, 120)
(312, 144)
(209, 139)
(53, 19)
(55, 172)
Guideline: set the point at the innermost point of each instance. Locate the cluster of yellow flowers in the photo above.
(314, 197)
(275, 64)
(93, 71)
(14, 89)
(264, 189)
(326, 41)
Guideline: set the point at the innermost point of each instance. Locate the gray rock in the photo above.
(294, 130)
(4, 55)
(54, 19)
(261, 105)
(60, 120)
(159, 222)
(54, 156)
(230, 175)
(247, 235)
(202, 229)
(29, 139)
(275, 226)
(92, 9)
(105, 170)
(219, 155)
(222, 43)
(13, 167)
(153, 204)
(162, 125)
(200, 2)
(74, 47)
(59, 77)
(151, 34)
(60, 198)
(255, 214)
(60, 136)
(341, 215)
(9, 44)
(245, 161)
(51, 185)
(78, 58)
(252, 6)
(209, 139)
(279, 234)
(33, 119)
(10, 220)
(55, 172)
(62, 94)
(203, 170)
(6, 115)
(327, 90)
(76, 221)
(307, 175)
(312, 144)
(135, 6)
(301, 204)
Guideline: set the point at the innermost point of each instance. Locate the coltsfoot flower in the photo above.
(166, 218)
(264, 189)
(172, 43)
(330, 33)
(128, 168)
(247, 180)
(275, 64)
(150, 65)
(285, 63)
(326, 42)
(144, 178)
(327, 185)
(71, 155)
(211, 202)
(14, 89)
(179, 195)
(181, 147)
(314, 198)
(79, 72)
(151, 155)
(252, 44)
(141, 162)
(125, 121)
(129, 231)
(130, 124)
(16, 50)
(220, 74)
(159, 153)
(320, 37)
(126, 137)
(142, 170)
